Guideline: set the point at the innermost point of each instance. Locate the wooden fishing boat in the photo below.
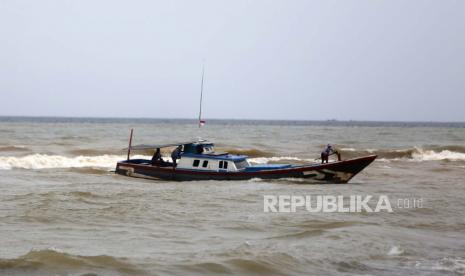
(198, 160)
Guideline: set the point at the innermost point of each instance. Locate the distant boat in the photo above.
(198, 160)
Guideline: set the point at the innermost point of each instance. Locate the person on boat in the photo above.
(156, 159)
(199, 149)
(176, 154)
(328, 151)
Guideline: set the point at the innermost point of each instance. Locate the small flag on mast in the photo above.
(201, 122)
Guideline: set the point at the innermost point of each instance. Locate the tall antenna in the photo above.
(201, 122)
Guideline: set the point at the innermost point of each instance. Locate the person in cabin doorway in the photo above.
(199, 149)
(176, 154)
(327, 152)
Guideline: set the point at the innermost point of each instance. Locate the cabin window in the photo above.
(223, 165)
(196, 163)
(242, 164)
(205, 163)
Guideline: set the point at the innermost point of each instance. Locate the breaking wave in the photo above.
(428, 153)
(108, 161)
(45, 161)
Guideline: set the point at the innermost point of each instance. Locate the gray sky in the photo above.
(288, 59)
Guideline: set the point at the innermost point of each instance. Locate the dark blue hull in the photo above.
(335, 172)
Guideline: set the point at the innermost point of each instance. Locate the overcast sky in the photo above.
(288, 59)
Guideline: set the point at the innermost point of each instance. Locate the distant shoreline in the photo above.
(214, 121)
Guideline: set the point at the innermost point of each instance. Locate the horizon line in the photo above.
(232, 119)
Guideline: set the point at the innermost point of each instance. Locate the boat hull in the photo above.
(334, 172)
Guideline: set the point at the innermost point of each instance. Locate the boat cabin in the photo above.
(196, 155)
(202, 156)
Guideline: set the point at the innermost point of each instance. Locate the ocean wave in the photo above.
(287, 180)
(300, 234)
(91, 170)
(430, 155)
(254, 266)
(113, 151)
(271, 263)
(108, 161)
(206, 267)
(93, 152)
(45, 161)
(427, 153)
(445, 265)
(13, 149)
(50, 260)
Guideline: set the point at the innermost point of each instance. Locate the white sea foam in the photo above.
(384, 160)
(45, 161)
(348, 149)
(430, 155)
(420, 155)
(255, 180)
(395, 251)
